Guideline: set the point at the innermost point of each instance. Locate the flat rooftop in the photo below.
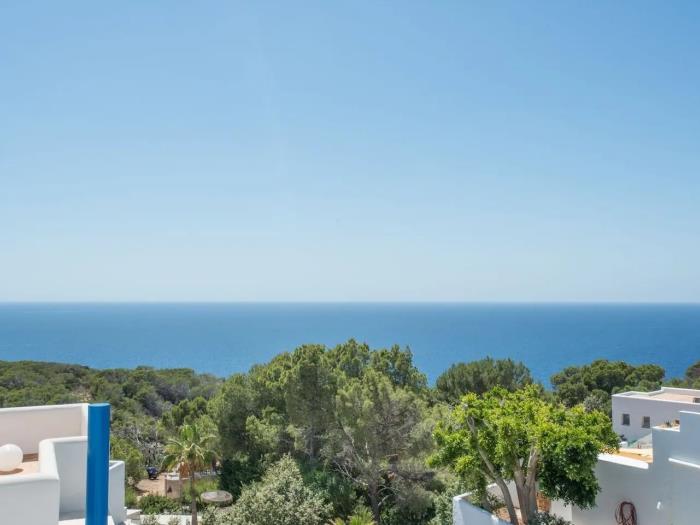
(677, 395)
(642, 454)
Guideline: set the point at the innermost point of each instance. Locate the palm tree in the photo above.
(191, 451)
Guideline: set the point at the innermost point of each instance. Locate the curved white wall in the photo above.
(28, 426)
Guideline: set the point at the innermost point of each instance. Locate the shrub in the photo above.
(124, 450)
(149, 519)
(210, 516)
(156, 504)
(174, 520)
(545, 518)
(130, 498)
(200, 486)
(280, 498)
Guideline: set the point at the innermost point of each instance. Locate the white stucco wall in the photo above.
(621, 479)
(640, 404)
(464, 513)
(58, 489)
(26, 427)
(664, 492)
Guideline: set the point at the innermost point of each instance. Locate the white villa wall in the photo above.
(26, 427)
(640, 404)
(663, 492)
(622, 479)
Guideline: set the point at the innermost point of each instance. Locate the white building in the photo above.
(635, 413)
(661, 482)
(48, 487)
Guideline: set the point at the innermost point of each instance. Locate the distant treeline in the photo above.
(315, 404)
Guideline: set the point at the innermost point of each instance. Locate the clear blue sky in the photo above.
(478, 151)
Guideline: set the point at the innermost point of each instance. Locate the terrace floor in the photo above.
(29, 465)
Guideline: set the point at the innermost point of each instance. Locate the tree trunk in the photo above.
(373, 493)
(193, 496)
(508, 500)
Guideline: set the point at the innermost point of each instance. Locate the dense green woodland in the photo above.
(355, 431)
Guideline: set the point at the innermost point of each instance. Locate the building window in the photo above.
(626, 420)
(646, 422)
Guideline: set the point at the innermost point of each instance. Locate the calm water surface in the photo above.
(225, 338)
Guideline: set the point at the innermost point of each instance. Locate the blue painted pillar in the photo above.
(96, 504)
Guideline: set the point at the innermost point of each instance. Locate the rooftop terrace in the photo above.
(678, 395)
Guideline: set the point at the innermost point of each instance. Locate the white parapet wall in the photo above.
(464, 513)
(57, 490)
(26, 427)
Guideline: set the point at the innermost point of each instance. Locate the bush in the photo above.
(124, 450)
(130, 498)
(149, 519)
(174, 520)
(156, 504)
(280, 498)
(210, 516)
(200, 486)
(545, 518)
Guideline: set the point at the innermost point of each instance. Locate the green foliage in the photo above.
(290, 406)
(361, 516)
(281, 497)
(192, 449)
(334, 487)
(237, 472)
(442, 502)
(503, 436)
(211, 516)
(130, 498)
(379, 428)
(691, 378)
(600, 379)
(157, 504)
(132, 457)
(544, 518)
(397, 365)
(200, 486)
(480, 377)
(149, 519)
(309, 387)
(187, 411)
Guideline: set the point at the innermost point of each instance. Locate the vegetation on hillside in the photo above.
(351, 428)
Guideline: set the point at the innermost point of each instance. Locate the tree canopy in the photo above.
(518, 436)
(481, 376)
(594, 383)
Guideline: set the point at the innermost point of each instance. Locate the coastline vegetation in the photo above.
(357, 433)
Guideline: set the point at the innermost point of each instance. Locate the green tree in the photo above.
(191, 449)
(576, 383)
(280, 498)
(480, 377)
(397, 366)
(517, 436)
(310, 387)
(122, 449)
(379, 426)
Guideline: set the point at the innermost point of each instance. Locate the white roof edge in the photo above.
(625, 461)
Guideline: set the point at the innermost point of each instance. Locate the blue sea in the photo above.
(226, 338)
